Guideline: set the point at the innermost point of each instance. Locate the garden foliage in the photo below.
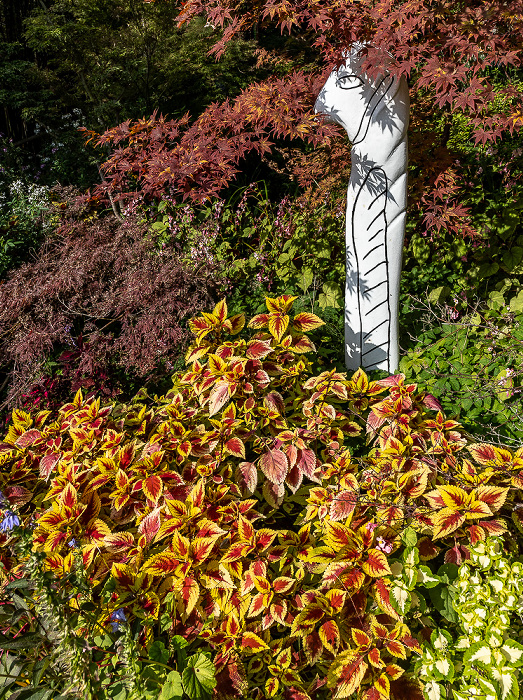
(101, 299)
(271, 516)
(462, 62)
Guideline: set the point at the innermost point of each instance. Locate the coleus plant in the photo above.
(255, 508)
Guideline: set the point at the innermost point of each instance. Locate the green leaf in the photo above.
(172, 688)
(433, 691)
(27, 641)
(513, 652)
(330, 295)
(443, 670)
(400, 598)
(158, 652)
(479, 653)
(198, 677)
(305, 281)
(426, 578)
(496, 300)
(488, 269)
(118, 691)
(438, 295)
(19, 583)
(506, 682)
(516, 303)
(31, 693)
(441, 598)
(179, 642)
(409, 537)
(512, 257)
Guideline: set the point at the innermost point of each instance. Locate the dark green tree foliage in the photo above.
(95, 63)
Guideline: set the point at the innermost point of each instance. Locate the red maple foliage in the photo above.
(459, 57)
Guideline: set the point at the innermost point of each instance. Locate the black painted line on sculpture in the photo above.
(383, 262)
(376, 285)
(374, 219)
(372, 249)
(356, 141)
(387, 277)
(376, 234)
(374, 347)
(355, 249)
(385, 192)
(374, 329)
(376, 307)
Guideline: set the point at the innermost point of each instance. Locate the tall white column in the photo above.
(375, 114)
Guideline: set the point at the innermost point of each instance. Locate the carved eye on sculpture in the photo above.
(349, 82)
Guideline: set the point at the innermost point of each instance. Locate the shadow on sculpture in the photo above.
(374, 114)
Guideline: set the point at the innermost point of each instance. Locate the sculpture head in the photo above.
(362, 105)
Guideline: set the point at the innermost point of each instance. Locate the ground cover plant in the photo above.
(305, 535)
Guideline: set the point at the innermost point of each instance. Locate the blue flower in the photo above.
(72, 543)
(9, 522)
(117, 617)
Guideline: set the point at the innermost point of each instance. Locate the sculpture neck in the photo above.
(388, 154)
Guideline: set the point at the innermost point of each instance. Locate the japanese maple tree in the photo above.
(459, 58)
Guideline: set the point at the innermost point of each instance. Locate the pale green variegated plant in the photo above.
(484, 661)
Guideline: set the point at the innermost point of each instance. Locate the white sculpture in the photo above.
(375, 114)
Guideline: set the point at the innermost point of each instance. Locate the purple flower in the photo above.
(9, 522)
(72, 543)
(117, 617)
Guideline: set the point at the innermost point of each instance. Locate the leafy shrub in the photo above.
(25, 219)
(99, 301)
(261, 247)
(482, 655)
(258, 511)
(99, 663)
(473, 364)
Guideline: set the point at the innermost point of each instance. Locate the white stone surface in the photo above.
(375, 115)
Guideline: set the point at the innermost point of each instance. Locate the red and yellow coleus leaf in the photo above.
(376, 564)
(346, 673)
(252, 644)
(304, 322)
(330, 636)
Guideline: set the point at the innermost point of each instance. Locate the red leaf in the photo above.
(152, 487)
(258, 349)
(218, 397)
(306, 322)
(150, 525)
(259, 321)
(427, 549)
(236, 447)
(313, 647)
(274, 401)
(307, 462)
(294, 479)
(252, 643)
(48, 463)
(247, 476)
(343, 505)
(28, 438)
(431, 402)
(273, 493)
(484, 454)
(330, 635)
(274, 465)
(302, 344)
(17, 495)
